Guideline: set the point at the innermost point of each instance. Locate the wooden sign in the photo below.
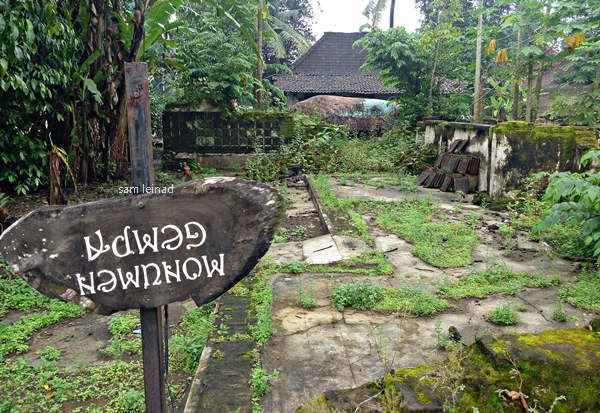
(144, 251)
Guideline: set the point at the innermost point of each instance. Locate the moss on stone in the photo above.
(578, 136)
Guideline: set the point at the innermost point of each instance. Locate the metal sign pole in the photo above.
(142, 174)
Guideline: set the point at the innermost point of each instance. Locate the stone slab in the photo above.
(321, 250)
(350, 247)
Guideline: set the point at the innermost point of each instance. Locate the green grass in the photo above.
(440, 244)
(584, 292)
(306, 296)
(42, 311)
(286, 235)
(357, 294)
(261, 308)
(112, 388)
(568, 241)
(188, 340)
(495, 278)
(412, 301)
(124, 340)
(368, 263)
(364, 295)
(359, 225)
(115, 387)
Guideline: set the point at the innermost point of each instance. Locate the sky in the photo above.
(346, 16)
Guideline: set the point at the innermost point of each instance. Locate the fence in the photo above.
(208, 132)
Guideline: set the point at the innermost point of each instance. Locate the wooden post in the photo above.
(142, 174)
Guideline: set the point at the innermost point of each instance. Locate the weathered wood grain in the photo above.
(235, 219)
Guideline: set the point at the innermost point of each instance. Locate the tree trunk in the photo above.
(538, 90)
(515, 107)
(392, 8)
(432, 82)
(529, 104)
(478, 104)
(55, 192)
(540, 74)
(259, 44)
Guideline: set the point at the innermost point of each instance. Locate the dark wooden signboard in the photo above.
(144, 251)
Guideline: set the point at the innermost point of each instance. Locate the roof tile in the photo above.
(332, 66)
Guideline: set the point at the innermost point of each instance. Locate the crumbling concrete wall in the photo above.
(512, 151)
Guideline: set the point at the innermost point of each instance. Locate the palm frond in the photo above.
(274, 40)
(287, 33)
(374, 10)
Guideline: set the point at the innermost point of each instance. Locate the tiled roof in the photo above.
(332, 66)
(332, 54)
(332, 84)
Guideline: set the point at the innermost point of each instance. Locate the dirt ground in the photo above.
(81, 339)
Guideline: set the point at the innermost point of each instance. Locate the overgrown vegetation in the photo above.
(575, 201)
(112, 387)
(322, 148)
(306, 297)
(364, 295)
(286, 235)
(41, 311)
(584, 292)
(504, 314)
(443, 244)
(494, 279)
(188, 340)
(126, 332)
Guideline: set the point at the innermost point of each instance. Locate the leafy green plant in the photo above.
(575, 200)
(558, 313)
(306, 298)
(411, 301)
(495, 278)
(507, 232)
(124, 339)
(285, 235)
(585, 291)
(472, 219)
(3, 199)
(294, 267)
(49, 353)
(259, 380)
(504, 314)
(131, 401)
(359, 225)
(568, 240)
(361, 295)
(188, 340)
(445, 340)
(343, 181)
(581, 109)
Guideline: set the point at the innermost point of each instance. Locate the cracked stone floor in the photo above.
(320, 349)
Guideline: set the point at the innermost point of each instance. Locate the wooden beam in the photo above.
(142, 176)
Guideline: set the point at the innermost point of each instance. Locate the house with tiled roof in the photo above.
(332, 67)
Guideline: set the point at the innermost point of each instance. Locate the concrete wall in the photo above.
(512, 151)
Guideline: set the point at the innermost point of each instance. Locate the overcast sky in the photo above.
(346, 16)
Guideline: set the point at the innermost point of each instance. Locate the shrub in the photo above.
(355, 294)
(504, 314)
